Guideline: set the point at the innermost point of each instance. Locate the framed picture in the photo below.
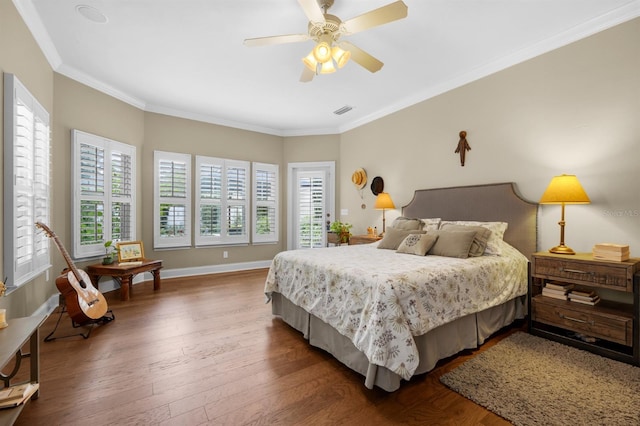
(130, 250)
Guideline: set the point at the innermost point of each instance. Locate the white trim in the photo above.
(106, 286)
(292, 169)
(615, 17)
(214, 269)
(20, 215)
(224, 202)
(176, 241)
(274, 236)
(109, 146)
(48, 306)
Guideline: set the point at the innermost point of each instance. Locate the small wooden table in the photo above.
(124, 273)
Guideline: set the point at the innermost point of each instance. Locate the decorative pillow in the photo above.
(406, 223)
(431, 224)
(418, 244)
(479, 241)
(393, 237)
(497, 233)
(452, 243)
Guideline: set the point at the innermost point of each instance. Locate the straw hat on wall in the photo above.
(359, 178)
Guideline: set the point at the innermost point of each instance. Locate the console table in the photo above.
(124, 273)
(12, 339)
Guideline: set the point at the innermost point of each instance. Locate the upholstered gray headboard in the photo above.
(488, 203)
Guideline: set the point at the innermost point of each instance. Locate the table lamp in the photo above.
(383, 202)
(564, 189)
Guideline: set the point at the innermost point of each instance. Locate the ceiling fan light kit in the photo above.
(326, 30)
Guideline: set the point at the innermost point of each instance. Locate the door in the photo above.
(311, 190)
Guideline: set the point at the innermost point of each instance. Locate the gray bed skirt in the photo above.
(465, 333)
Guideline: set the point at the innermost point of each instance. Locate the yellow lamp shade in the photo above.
(383, 201)
(564, 189)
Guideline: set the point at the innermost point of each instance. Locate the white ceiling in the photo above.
(186, 57)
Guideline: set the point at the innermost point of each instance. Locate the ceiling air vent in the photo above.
(343, 110)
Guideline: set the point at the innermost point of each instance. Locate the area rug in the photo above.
(529, 380)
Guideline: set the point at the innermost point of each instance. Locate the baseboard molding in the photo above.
(109, 285)
(214, 269)
(49, 306)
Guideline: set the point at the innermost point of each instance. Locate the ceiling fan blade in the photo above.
(385, 14)
(281, 39)
(312, 10)
(361, 57)
(307, 75)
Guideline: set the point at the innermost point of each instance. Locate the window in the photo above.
(265, 203)
(222, 201)
(310, 203)
(103, 193)
(172, 200)
(26, 184)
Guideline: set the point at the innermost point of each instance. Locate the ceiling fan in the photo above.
(326, 30)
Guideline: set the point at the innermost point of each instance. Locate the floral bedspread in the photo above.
(380, 299)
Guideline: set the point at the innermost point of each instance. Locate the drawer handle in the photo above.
(577, 271)
(576, 319)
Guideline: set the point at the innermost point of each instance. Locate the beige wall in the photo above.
(80, 107)
(20, 55)
(173, 134)
(309, 149)
(574, 110)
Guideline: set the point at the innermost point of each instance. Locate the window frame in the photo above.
(274, 235)
(108, 198)
(25, 191)
(160, 242)
(225, 203)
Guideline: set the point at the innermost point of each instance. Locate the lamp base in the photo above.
(562, 249)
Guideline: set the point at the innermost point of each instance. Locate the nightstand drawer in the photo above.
(615, 275)
(601, 323)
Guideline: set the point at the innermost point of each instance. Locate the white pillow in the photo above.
(431, 224)
(497, 229)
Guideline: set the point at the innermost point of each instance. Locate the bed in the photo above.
(370, 308)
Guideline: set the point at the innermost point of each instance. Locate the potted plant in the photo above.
(342, 229)
(110, 253)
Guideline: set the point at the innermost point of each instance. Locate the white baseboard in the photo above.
(109, 285)
(49, 306)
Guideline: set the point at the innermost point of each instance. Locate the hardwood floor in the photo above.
(207, 351)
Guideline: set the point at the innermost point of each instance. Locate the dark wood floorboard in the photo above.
(207, 351)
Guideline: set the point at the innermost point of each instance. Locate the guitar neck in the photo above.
(67, 258)
(62, 250)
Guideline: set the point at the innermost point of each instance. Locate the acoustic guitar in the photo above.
(84, 301)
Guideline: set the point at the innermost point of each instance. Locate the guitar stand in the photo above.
(107, 318)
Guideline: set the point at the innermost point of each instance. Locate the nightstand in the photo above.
(363, 239)
(611, 326)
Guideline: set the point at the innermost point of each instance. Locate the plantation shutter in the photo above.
(222, 201)
(265, 203)
(26, 184)
(104, 193)
(172, 212)
(311, 209)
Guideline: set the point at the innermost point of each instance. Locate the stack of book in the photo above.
(610, 251)
(15, 395)
(587, 297)
(556, 290)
